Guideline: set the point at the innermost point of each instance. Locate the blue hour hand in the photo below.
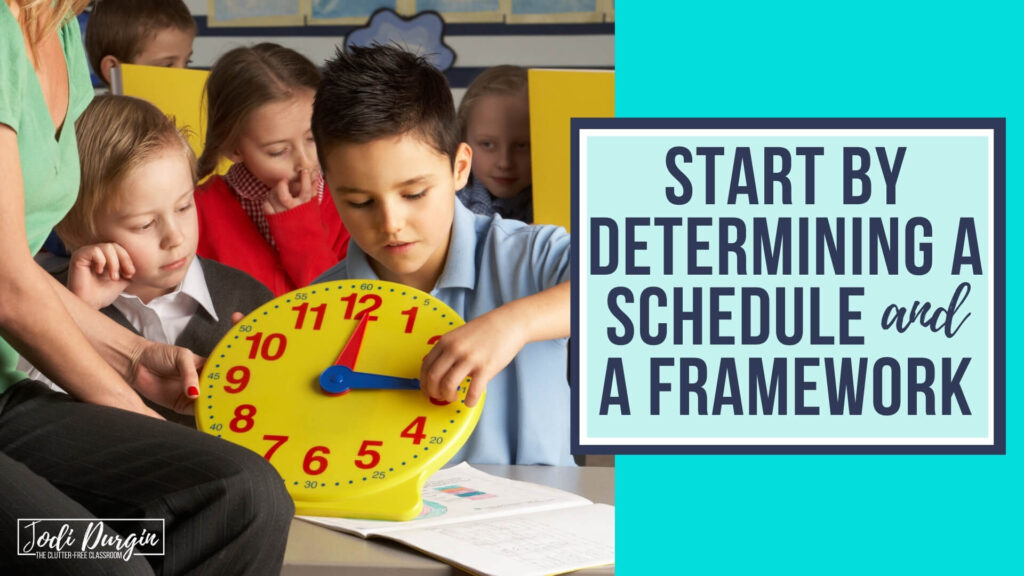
(337, 380)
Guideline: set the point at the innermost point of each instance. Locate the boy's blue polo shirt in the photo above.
(492, 261)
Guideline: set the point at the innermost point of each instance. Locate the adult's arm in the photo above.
(84, 352)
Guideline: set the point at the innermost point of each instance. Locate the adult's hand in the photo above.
(167, 375)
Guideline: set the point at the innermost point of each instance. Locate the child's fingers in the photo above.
(83, 258)
(127, 267)
(279, 199)
(281, 192)
(477, 387)
(284, 195)
(448, 384)
(95, 258)
(435, 365)
(114, 256)
(108, 258)
(305, 186)
(99, 272)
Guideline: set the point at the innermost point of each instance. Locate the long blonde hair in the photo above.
(40, 18)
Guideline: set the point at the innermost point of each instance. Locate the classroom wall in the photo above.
(476, 45)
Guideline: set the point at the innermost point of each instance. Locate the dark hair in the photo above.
(120, 28)
(377, 91)
(241, 81)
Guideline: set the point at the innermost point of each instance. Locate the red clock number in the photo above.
(237, 375)
(414, 430)
(312, 459)
(243, 420)
(433, 339)
(374, 301)
(272, 348)
(303, 308)
(278, 442)
(411, 313)
(374, 456)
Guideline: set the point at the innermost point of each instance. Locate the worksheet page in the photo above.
(461, 493)
(549, 542)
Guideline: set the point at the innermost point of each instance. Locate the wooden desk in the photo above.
(316, 551)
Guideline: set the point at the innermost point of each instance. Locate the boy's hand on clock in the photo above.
(478, 349)
(483, 346)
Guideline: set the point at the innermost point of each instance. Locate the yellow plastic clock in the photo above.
(322, 382)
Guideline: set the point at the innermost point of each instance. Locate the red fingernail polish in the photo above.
(193, 391)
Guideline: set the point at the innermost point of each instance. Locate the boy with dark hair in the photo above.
(388, 140)
(146, 32)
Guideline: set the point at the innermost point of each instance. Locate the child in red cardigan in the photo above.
(269, 215)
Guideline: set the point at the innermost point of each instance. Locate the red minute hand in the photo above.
(350, 352)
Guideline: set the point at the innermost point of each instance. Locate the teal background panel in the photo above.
(827, 514)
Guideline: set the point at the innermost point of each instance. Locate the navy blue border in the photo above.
(998, 128)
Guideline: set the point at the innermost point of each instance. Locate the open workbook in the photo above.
(491, 525)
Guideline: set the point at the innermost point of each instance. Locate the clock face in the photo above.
(364, 453)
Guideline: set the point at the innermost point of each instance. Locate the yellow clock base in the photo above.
(398, 502)
(363, 454)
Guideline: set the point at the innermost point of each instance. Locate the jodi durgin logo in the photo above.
(90, 538)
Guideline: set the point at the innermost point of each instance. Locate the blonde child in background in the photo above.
(494, 117)
(269, 214)
(145, 32)
(133, 232)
